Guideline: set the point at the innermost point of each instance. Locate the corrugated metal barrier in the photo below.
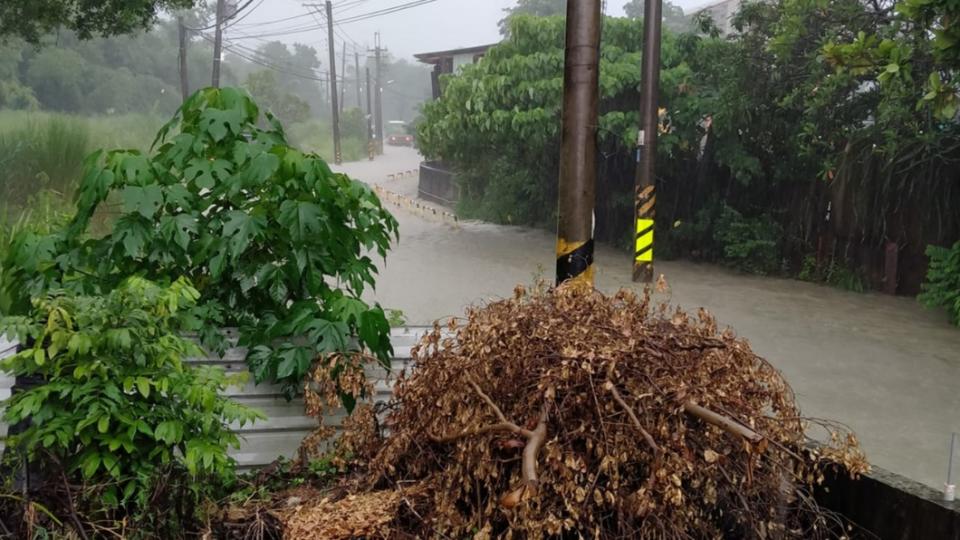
(6, 385)
(286, 424)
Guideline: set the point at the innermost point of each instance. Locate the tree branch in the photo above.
(502, 426)
(727, 424)
(612, 388)
(534, 443)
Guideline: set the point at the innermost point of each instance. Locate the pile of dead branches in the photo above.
(568, 413)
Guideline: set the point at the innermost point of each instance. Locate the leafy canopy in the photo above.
(32, 19)
(117, 407)
(276, 243)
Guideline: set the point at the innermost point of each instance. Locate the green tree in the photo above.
(287, 107)
(537, 8)
(60, 78)
(33, 19)
(673, 16)
(276, 243)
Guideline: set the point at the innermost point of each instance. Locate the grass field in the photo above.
(44, 152)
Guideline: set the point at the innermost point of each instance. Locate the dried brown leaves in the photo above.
(570, 412)
(367, 515)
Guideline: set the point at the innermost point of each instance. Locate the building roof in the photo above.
(434, 57)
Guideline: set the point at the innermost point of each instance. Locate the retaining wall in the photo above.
(438, 184)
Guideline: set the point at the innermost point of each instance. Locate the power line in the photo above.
(255, 57)
(309, 27)
(232, 15)
(247, 14)
(386, 11)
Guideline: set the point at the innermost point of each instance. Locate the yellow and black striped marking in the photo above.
(643, 250)
(575, 262)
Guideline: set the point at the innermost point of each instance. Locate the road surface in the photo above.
(883, 365)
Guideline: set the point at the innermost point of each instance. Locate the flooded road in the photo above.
(885, 366)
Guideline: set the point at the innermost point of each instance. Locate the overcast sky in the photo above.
(436, 26)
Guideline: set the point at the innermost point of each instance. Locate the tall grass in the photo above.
(41, 151)
(316, 136)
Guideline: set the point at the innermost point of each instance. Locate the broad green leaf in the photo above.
(241, 229)
(146, 200)
(301, 219)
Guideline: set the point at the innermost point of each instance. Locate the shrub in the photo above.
(748, 244)
(942, 287)
(117, 410)
(275, 241)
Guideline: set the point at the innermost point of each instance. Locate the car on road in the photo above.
(398, 134)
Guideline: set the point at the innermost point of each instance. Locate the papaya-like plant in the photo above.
(276, 243)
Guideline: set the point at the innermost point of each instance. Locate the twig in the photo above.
(502, 426)
(485, 397)
(610, 387)
(727, 424)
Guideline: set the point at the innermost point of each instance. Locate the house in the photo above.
(445, 62)
(721, 12)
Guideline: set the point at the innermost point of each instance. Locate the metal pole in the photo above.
(184, 83)
(337, 156)
(343, 73)
(356, 71)
(378, 120)
(578, 143)
(370, 148)
(218, 45)
(646, 179)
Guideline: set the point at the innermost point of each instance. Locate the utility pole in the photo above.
(184, 83)
(218, 45)
(356, 70)
(370, 148)
(337, 156)
(378, 119)
(578, 143)
(646, 179)
(343, 73)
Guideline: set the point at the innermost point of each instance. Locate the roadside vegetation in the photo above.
(221, 223)
(802, 144)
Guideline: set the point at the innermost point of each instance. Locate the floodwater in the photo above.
(885, 366)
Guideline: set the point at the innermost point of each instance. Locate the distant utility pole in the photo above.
(218, 44)
(343, 73)
(335, 107)
(578, 143)
(646, 179)
(378, 119)
(370, 148)
(184, 83)
(356, 70)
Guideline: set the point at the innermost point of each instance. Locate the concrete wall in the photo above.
(888, 506)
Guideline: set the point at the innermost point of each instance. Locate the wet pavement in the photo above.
(883, 365)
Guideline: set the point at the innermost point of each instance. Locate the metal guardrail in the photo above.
(438, 184)
(7, 348)
(286, 424)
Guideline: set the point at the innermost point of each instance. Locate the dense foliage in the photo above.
(819, 158)
(275, 242)
(116, 410)
(942, 288)
(32, 20)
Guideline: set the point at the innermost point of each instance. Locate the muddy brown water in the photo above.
(883, 365)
